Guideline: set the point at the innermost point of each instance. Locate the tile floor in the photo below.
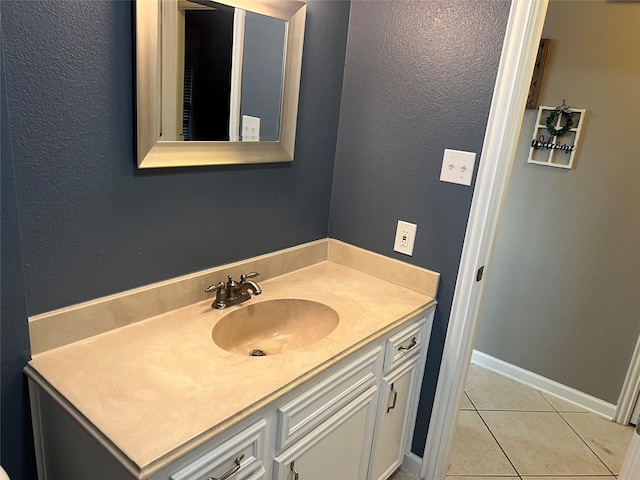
(507, 431)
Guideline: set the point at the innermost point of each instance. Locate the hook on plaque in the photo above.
(564, 108)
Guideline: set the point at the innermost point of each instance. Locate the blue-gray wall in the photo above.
(419, 78)
(16, 440)
(89, 224)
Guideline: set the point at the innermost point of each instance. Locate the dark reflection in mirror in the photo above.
(230, 74)
(208, 41)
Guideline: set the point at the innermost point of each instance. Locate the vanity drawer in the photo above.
(300, 416)
(404, 343)
(247, 450)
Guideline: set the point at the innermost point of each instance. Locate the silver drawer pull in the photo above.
(294, 470)
(233, 470)
(395, 399)
(413, 343)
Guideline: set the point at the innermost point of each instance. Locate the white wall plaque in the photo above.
(553, 150)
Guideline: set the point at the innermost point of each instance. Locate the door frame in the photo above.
(631, 465)
(520, 47)
(628, 407)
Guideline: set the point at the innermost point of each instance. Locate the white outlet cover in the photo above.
(405, 237)
(457, 166)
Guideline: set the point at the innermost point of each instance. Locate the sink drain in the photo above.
(257, 353)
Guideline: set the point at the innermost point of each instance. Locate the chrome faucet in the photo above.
(232, 292)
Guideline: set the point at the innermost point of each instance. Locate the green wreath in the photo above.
(553, 118)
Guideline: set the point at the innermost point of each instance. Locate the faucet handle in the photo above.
(243, 277)
(214, 288)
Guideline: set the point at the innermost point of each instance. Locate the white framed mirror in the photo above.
(247, 112)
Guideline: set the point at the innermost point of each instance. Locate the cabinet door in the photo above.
(337, 449)
(391, 435)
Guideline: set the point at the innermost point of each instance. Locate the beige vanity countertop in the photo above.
(161, 387)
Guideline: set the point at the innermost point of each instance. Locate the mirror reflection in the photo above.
(229, 66)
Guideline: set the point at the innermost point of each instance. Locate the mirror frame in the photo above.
(153, 152)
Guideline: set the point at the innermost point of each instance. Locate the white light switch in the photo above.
(405, 237)
(250, 128)
(457, 166)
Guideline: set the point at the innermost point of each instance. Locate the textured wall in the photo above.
(419, 78)
(16, 440)
(562, 294)
(90, 224)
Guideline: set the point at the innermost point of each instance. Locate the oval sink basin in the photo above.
(274, 326)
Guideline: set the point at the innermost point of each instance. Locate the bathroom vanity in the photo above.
(166, 398)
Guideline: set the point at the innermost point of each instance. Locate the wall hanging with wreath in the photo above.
(555, 136)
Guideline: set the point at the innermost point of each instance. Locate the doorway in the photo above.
(500, 144)
(561, 296)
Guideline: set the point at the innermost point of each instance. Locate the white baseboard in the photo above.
(520, 375)
(412, 463)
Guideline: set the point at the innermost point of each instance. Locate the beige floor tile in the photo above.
(475, 451)
(588, 477)
(609, 440)
(489, 391)
(465, 403)
(541, 443)
(562, 405)
(481, 477)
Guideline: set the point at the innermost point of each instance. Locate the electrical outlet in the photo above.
(457, 166)
(405, 237)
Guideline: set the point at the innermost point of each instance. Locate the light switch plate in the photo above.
(405, 237)
(250, 128)
(457, 166)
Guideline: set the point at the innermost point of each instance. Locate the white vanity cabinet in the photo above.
(404, 365)
(353, 421)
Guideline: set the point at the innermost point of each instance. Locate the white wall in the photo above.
(563, 294)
